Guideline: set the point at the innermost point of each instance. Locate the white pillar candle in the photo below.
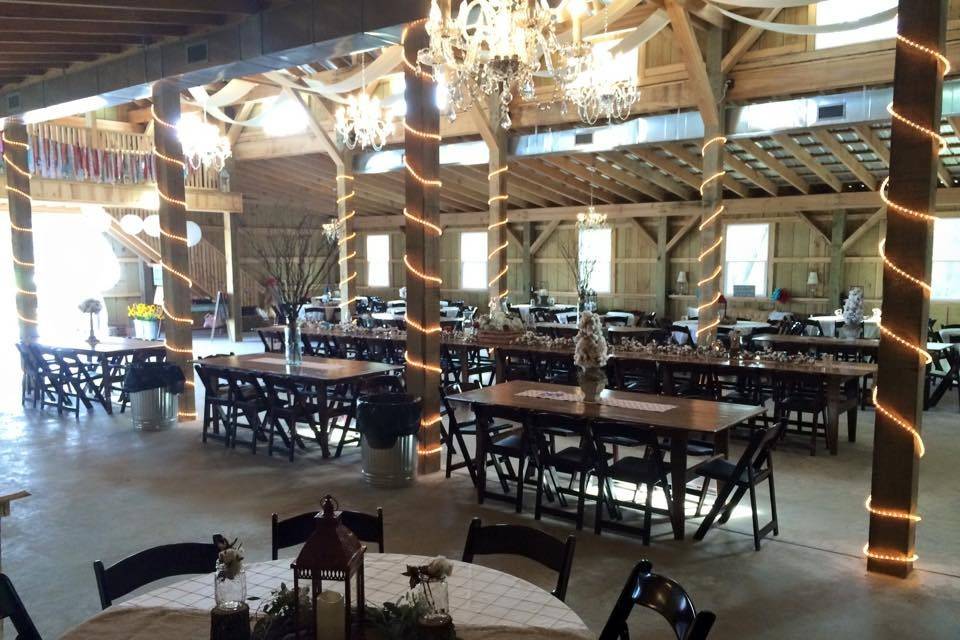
(330, 616)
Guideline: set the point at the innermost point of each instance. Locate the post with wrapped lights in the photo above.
(174, 257)
(347, 240)
(919, 69)
(422, 233)
(497, 243)
(710, 258)
(21, 227)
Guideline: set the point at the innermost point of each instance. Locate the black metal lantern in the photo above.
(332, 553)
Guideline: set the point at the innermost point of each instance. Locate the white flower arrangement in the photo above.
(499, 320)
(591, 346)
(853, 307)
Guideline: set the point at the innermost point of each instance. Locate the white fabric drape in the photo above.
(812, 29)
(767, 4)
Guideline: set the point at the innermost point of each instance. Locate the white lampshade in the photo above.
(682, 277)
(194, 234)
(151, 226)
(813, 279)
(131, 224)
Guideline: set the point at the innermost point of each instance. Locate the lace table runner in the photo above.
(306, 364)
(639, 405)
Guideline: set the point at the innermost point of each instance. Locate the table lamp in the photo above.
(682, 282)
(813, 281)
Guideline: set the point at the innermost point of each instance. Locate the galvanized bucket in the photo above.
(392, 467)
(153, 409)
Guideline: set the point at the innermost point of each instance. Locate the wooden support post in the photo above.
(21, 227)
(422, 155)
(177, 321)
(835, 282)
(497, 219)
(917, 87)
(526, 261)
(661, 272)
(710, 281)
(234, 291)
(346, 193)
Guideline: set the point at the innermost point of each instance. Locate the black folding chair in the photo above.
(295, 530)
(517, 540)
(153, 564)
(754, 466)
(12, 607)
(663, 595)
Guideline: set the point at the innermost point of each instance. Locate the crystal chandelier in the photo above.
(360, 122)
(202, 144)
(490, 47)
(591, 219)
(598, 87)
(333, 230)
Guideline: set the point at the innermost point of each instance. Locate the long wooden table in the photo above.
(869, 347)
(317, 372)
(614, 332)
(109, 355)
(686, 418)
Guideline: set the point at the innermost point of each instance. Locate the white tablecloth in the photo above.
(629, 317)
(828, 324)
(478, 596)
(743, 326)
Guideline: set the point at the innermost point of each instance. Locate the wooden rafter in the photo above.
(631, 180)
(693, 60)
(845, 157)
(746, 41)
(651, 175)
(794, 148)
(687, 227)
(682, 153)
(750, 173)
(544, 236)
(860, 231)
(774, 164)
(643, 233)
(805, 218)
(668, 166)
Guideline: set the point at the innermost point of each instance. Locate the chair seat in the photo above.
(636, 470)
(700, 448)
(720, 469)
(513, 441)
(807, 404)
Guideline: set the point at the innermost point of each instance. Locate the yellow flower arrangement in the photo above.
(141, 311)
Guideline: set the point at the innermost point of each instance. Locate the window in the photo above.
(946, 259)
(594, 249)
(473, 260)
(834, 11)
(378, 260)
(745, 257)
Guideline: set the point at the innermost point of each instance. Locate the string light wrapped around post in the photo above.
(500, 197)
(905, 424)
(339, 232)
(712, 220)
(22, 172)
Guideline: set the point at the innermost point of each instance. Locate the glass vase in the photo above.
(436, 597)
(293, 346)
(229, 592)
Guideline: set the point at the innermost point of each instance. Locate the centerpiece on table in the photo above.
(498, 327)
(91, 306)
(146, 320)
(299, 262)
(591, 356)
(581, 270)
(230, 618)
(852, 314)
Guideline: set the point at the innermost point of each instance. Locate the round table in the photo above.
(479, 596)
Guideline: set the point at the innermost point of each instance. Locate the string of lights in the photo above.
(416, 69)
(343, 243)
(422, 221)
(708, 222)
(184, 321)
(502, 222)
(22, 172)
(907, 425)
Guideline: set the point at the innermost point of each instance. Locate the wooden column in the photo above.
(346, 215)
(177, 322)
(835, 282)
(497, 218)
(21, 227)
(528, 277)
(917, 87)
(712, 196)
(422, 155)
(661, 270)
(234, 291)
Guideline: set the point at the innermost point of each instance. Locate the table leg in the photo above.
(931, 398)
(668, 389)
(834, 399)
(464, 355)
(678, 482)
(500, 365)
(323, 422)
(106, 384)
(853, 390)
(481, 456)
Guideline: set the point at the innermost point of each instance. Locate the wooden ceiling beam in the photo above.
(845, 157)
(860, 231)
(808, 221)
(746, 41)
(520, 179)
(682, 233)
(64, 11)
(651, 175)
(592, 177)
(30, 25)
(750, 173)
(238, 7)
(668, 166)
(539, 166)
(29, 48)
(795, 149)
(642, 232)
(40, 37)
(774, 164)
(729, 182)
(633, 181)
(697, 77)
(516, 186)
(561, 189)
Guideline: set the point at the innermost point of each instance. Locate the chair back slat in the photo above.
(11, 607)
(526, 542)
(661, 594)
(153, 564)
(295, 530)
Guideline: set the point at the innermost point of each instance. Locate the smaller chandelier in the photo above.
(202, 144)
(360, 123)
(591, 219)
(333, 230)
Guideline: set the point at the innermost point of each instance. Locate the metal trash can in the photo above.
(154, 409)
(153, 388)
(388, 425)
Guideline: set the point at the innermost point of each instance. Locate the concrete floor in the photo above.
(102, 491)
